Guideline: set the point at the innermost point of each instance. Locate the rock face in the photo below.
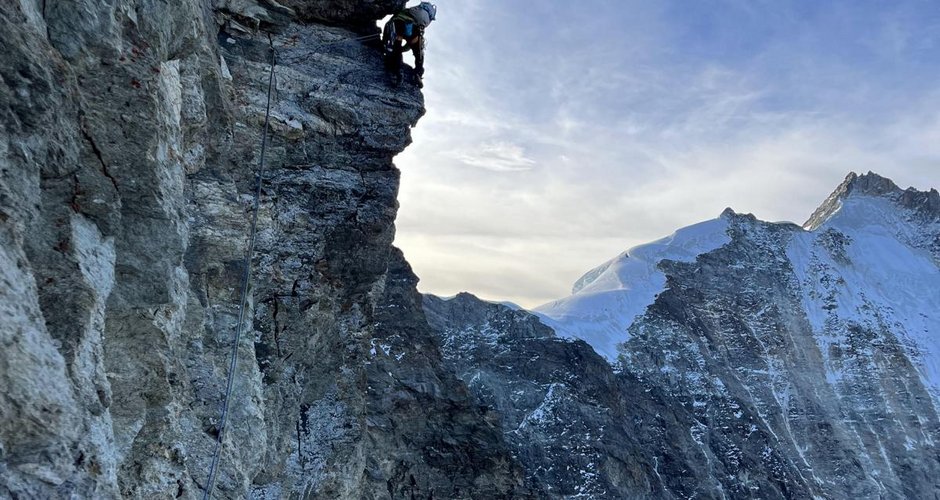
(560, 405)
(414, 398)
(776, 363)
(581, 428)
(344, 12)
(129, 146)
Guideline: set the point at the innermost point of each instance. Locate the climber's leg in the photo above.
(393, 50)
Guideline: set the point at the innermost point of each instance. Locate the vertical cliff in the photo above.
(129, 145)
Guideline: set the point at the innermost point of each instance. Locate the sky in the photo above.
(559, 134)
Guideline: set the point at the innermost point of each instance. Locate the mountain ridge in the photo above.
(611, 281)
(874, 185)
(791, 363)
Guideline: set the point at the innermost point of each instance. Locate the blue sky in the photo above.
(559, 134)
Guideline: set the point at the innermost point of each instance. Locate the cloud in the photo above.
(498, 157)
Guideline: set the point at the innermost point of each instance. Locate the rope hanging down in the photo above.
(246, 277)
(249, 254)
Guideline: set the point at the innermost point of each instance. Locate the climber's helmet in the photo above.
(430, 8)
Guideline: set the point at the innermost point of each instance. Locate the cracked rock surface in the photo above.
(129, 145)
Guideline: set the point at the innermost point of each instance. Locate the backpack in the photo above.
(421, 15)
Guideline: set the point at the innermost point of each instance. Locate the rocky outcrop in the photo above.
(415, 398)
(344, 12)
(559, 404)
(129, 147)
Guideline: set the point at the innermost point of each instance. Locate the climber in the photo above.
(407, 26)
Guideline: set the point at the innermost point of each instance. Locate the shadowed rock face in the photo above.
(581, 428)
(344, 12)
(129, 145)
(416, 398)
(558, 403)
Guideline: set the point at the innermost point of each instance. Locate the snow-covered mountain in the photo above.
(869, 258)
(869, 255)
(745, 359)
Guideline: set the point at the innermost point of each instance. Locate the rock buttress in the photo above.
(129, 145)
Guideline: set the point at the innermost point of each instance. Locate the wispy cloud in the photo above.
(499, 157)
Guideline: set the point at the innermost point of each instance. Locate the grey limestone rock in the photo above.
(128, 150)
(345, 12)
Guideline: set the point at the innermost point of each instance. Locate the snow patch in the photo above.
(608, 299)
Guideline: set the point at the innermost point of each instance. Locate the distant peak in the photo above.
(870, 184)
(873, 185)
(925, 203)
(736, 218)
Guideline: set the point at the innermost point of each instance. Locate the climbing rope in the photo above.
(249, 254)
(357, 39)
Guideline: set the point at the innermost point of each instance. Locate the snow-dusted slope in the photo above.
(869, 264)
(606, 300)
